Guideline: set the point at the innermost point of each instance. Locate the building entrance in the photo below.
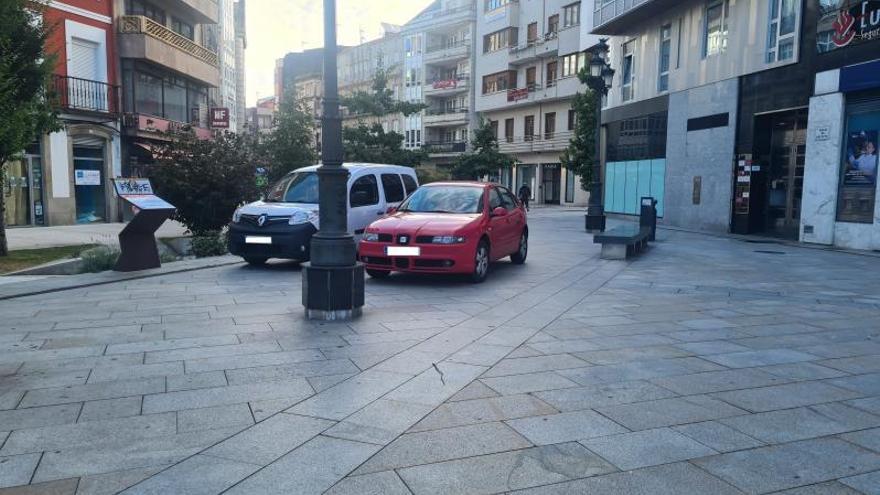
(550, 182)
(88, 165)
(23, 190)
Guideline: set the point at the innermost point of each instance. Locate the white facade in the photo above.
(222, 36)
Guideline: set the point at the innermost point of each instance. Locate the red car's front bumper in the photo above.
(434, 258)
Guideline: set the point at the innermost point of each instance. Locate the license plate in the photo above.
(402, 251)
(252, 239)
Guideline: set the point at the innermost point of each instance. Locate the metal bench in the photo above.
(623, 241)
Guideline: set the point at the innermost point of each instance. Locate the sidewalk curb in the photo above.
(38, 287)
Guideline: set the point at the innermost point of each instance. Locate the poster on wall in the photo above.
(87, 177)
(859, 182)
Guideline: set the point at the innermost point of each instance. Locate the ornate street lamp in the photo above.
(601, 77)
(333, 282)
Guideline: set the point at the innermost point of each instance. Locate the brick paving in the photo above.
(704, 366)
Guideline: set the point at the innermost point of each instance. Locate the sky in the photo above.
(276, 27)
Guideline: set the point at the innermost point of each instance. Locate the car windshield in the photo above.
(445, 199)
(301, 187)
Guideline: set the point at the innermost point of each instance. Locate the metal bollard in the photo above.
(648, 217)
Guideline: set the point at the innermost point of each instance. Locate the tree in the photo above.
(381, 101)
(291, 143)
(25, 104)
(485, 158)
(206, 179)
(580, 155)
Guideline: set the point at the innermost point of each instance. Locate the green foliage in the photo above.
(209, 244)
(99, 259)
(206, 180)
(371, 144)
(581, 152)
(428, 174)
(485, 159)
(25, 101)
(381, 101)
(291, 144)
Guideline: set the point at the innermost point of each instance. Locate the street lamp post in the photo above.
(601, 76)
(333, 282)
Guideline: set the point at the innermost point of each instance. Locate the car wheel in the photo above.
(481, 263)
(378, 273)
(256, 261)
(519, 257)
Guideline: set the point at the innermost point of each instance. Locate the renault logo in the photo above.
(262, 220)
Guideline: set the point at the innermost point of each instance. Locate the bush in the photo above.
(99, 259)
(209, 244)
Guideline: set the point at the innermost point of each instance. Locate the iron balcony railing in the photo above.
(85, 95)
(446, 111)
(137, 24)
(445, 146)
(546, 141)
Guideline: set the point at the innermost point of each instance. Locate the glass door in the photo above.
(16, 193)
(785, 180)
(550, 181)
(88, 170)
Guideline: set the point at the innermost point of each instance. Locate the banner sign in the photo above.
(447, 84)
(220, 118)
(517, 94)
(844, 23)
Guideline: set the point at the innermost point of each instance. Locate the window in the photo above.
(529, 128)
(393, 188)
(532, 33)
(507, 199)
(571, 64)
(781, 30)
(175, 100)
(665, 49)
(715, 39)
(494, 199)
(146, 9)
(569, 186)
(508, 130)
(409, 183)
(552, 74)
(182, 28)
(628, 70)
(501, 81)
(364, 192)
(572, 119)
(495, 4)
(499, 39)
(571, 15)
(553, 24)
(531, 78)
(549, 125)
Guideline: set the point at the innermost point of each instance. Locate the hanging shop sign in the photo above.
(845, 23)
(219, 118)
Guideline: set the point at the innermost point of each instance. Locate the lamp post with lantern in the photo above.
(599, 81)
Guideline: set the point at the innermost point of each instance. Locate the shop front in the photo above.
(23, 189)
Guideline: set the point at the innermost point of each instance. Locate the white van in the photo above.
(282, 225)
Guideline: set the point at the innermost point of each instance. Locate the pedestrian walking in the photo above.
(525, 194)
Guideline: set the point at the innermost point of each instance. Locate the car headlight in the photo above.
(236, 217)
(299, 218)
(448, 239)
(371, 237)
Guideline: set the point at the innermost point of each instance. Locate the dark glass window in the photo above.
(410, 184)
(364, 192)
(393, 188)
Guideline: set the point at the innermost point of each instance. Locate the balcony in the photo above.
(143, 38)
(77, 95)
(504, 16)
(148, 126)
(554, 141)
(544, 46)
(198, 11)
(617, 17)
(443, 87)
(448, 53)
(444, 147)
(443, 117)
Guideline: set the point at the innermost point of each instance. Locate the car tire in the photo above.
(256, 261)
(519, 257)
(481, 262)
(378, 273)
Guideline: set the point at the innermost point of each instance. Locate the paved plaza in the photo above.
(707, 366)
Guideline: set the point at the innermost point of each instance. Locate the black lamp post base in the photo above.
(333, 293)
(595, 219)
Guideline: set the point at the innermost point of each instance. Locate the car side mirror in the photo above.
(391, 210)
(499, 212)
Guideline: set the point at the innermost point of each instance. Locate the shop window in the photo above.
(715, 30)
(570, 177)
(858, 176)
(782, 30)
(665, 50)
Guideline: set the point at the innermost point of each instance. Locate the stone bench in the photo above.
(623, 241)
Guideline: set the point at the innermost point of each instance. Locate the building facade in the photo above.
(528, 57)
(439, 57)
(225, 39)
(63, 177)
(261, 118)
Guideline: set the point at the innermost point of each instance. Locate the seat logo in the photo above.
(261, 221)
(404, 239)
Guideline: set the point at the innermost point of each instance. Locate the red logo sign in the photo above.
(220, 118)
(517, 94)
(844, 29)
(447, 84)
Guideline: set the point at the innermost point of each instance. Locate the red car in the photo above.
(448, 227)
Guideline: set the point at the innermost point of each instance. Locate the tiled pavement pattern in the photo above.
(703, 367)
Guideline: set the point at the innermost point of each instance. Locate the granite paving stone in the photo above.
(269, 439)
(565, 427)
(380, 422)
(501, 472)
(38, 416)
(252, 360)
(669, 412)
(718, 436)
(195, 381)
(17, 469)
(804, 422)
(98, 410)
(113, 483)
(384, 483)
(716, 381)
(347, 397)
(60, 487)
(536, 364)
(474, 390)
(869, 439)
(290, 371)
(206, 397)
(95, 391)
(790, 465)
(750, 359)
(867, 385)
(647, 448)
(618, 356)
(460, 413)
(532, 382)
(638, 370)
(829, 488)
(235, 415)
(785, 396)
(200, 474)
(868, 483)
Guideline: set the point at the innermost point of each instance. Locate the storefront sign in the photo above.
(844, 23)
(220, 118)
(859, 183)
(87, 177)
